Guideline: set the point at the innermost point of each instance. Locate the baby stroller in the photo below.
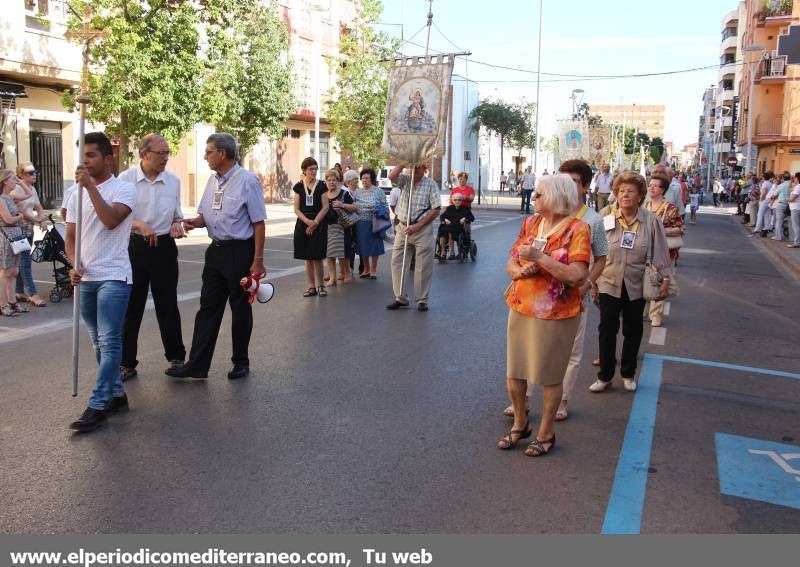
(51, 249)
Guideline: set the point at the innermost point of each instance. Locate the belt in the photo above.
(230, 243)
(160, 237)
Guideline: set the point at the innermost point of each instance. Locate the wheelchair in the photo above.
(465, 247)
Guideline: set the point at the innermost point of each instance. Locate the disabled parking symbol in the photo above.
(758, 470)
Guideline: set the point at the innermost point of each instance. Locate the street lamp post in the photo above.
(538, 84)
(751, 68)
(319, 8)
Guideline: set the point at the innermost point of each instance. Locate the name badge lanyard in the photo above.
(219, 191)
(309, 194)
(541, 241)
(628, 233)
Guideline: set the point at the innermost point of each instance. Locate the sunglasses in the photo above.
(31, 172)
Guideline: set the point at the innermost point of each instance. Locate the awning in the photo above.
(12, 90)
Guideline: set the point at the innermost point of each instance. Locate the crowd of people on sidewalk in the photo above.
(771, 204)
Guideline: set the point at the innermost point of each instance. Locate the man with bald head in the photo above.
(154, 256)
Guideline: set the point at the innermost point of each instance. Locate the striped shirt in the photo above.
(104, 252)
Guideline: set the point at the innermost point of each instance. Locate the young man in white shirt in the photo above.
(528, 185)
(153, 253)
(104, 276)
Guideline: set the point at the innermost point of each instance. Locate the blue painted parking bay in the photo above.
(759, 470)
(769, 474)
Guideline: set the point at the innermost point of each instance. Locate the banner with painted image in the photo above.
(573, 140)
(599, 145)
(417, 107)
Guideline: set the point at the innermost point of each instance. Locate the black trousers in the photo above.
(632, 329)
(227, 262)
(154, 268)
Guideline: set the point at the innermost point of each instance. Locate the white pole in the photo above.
(317, 56)
(408, 223)
(76, 300)
(538, 84)
(750, 96)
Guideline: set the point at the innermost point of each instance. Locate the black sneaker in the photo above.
(394, 305)
(127, 373)
(90, 420)
(238, 371)
(422, 306)
(117, 403)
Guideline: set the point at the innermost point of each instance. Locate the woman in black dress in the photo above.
(310, 242)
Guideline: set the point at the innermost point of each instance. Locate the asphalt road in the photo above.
(359, 420)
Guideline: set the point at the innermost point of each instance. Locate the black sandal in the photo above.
(538, 448)
(321, 291)
(310, 292)
(506, 442)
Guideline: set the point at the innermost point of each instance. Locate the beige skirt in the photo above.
(538, 350)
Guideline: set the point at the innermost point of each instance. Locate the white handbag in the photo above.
(19, 242)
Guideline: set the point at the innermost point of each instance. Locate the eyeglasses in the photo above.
(165, 153)
(31, 172)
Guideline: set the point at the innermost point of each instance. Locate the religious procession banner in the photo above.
(599, 145)
(416, 111)
(573, 140)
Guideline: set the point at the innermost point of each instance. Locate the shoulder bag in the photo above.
(652, 280)
(19, 243)
(673, 242)
(346, 218)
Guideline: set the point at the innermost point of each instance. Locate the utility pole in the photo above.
(538, 84)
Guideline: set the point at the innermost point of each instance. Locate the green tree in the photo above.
(357, 108)
(153, 73)
(591, 119)
(524, 133)
(148, 67)
(656, 149)
(499, 117)
(248, 89)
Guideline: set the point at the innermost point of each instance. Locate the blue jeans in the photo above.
(103, 306)
(525, 204)
(25, 276)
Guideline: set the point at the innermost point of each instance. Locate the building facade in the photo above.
(648, 119)
(37, 64)
(775, 88)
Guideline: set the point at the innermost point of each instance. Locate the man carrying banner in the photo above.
(415, 224)
(104, 276)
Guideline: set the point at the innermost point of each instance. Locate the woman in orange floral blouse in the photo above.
(549, 261)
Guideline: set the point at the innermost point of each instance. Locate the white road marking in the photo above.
(658, 336)
(666, 308)
(10, 335)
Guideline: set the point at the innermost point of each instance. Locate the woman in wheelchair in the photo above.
(454, 219)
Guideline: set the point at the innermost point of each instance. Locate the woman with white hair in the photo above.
(350, 181)
(549, 262)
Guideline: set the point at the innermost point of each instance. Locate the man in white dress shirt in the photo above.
(153, 253)
(104, 276)
(602, 185)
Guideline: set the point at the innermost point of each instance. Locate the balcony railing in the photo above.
(769, 125)
(773, 67)
(729, 32)
(774, 9)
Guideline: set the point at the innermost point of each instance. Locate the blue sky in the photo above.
(579, 37)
